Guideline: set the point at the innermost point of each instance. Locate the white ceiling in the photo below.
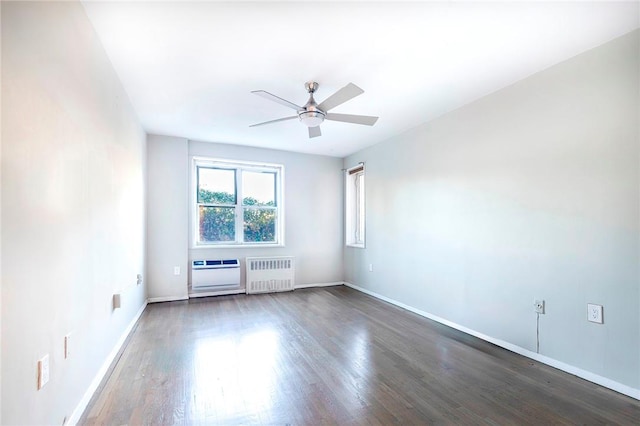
(189, 67)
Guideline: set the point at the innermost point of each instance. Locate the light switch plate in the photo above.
(67, 346)
(43, 371)
(594, 313)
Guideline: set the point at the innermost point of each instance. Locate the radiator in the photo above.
(270, 274)
(211, 274)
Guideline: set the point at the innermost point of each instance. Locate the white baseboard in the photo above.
(166, 299)
(318, 285)
(587, 375)
(228, 292)
(82, 405)
(217, 293)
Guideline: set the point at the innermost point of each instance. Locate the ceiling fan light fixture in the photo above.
(311, 118)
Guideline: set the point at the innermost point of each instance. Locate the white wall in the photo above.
(167, 221)
(532, 191)
(72, 208)
(313, 213)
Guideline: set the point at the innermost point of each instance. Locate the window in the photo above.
(237, 203)
(354, 206)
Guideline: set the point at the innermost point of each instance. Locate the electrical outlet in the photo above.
(117, 301)
(594, 313)
(43, 371)
(538, 306)
(138, 279)
(176, 270)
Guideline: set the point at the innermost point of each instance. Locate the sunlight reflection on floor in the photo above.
(235, 375)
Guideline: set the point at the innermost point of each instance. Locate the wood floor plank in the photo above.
(331, 356)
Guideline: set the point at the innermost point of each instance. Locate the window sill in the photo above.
(355, 245)
(228, 246)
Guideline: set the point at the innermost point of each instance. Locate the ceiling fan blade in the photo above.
(349, 91)
(277, 99)
(314, 132)
(367, 120)
(273, 121)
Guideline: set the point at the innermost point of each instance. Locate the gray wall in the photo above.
(167, 218)
(313, 213)
(532, 191)
(72, 208)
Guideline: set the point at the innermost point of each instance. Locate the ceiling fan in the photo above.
(313, 114)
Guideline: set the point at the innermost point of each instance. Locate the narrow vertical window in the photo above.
(359, 214)
(355, 207)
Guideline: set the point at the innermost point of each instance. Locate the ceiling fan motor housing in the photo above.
(311, 115)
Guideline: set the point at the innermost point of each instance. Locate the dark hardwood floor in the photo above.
(331, 356)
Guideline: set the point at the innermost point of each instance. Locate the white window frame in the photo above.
(355, 208)
(238, 166)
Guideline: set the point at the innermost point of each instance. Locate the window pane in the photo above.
(258, 188)
(360, 208)
(216, 186)
(217, 224)
(259, 225)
